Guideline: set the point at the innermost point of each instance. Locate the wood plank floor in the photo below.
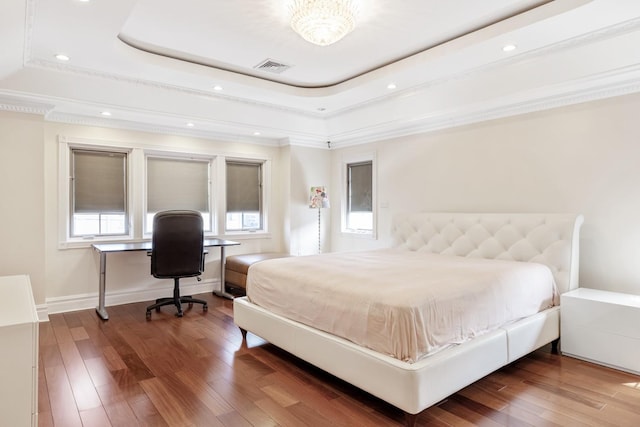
(196, 371)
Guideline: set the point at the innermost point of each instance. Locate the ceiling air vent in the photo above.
(272, 66)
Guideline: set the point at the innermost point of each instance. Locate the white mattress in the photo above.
(401, 303)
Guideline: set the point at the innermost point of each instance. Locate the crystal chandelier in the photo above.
(323, 22)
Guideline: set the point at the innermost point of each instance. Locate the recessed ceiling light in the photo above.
(62, 57)
(190, 125)
(217, 87)
(391, 86)
(509, 47)
(106, 113)
(256, 133)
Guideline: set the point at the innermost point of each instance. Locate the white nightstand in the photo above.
(601, 327)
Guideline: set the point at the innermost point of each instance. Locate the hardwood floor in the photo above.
(196, 371)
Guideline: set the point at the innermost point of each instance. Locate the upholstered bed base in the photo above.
(549, 239)
(411, 387)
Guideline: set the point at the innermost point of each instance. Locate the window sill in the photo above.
(86, 243)
(359, 234)
(246, 235)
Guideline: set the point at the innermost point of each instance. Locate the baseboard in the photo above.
(42, 311)
(85, 301)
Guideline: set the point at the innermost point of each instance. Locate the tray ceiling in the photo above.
(236, 35)
(187, 67)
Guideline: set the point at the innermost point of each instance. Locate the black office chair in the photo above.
(177, 251)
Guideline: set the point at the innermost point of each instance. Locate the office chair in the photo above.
(177, 251)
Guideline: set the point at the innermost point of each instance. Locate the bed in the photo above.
(415, 381)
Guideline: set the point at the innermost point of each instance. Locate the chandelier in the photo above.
(323, 22)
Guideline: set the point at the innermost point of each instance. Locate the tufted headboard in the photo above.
(550, 239)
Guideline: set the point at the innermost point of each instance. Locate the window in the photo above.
(110, 191)
(359, 206)
(98, 193)
(244, 196)
(177, 183)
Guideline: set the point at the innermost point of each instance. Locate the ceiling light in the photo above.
(106, 113)
(190, 125)
(323, 22)
(217, 87)
(62, 57)
(391, 86)
(256, 133)
(509, 47)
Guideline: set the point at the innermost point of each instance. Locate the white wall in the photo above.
(30, 231)
(72, 274)
(583, 158)
(310, 167)
(22, 199)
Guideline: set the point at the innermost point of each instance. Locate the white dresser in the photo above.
(601, 327)
(18, 353)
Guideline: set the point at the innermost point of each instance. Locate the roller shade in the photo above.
(99, 181)
(243, 187)
(177, 184)
(360, 187)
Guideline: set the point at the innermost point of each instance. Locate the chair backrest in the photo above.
(177, 244)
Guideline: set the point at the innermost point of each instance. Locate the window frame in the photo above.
(265, 182)
(172, 155)
(73, 197)
(346, 162)
(65, 214)
(137, 191)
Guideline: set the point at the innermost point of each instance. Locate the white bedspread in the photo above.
(401, 303)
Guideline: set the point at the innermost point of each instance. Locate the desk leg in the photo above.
(222, 292)
(102, 312)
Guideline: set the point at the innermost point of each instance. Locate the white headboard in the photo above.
(550, 239)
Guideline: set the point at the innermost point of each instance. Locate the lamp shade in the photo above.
(318, 198)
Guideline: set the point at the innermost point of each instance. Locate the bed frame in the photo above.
(550, 239)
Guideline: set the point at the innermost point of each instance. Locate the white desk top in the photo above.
(146, 246)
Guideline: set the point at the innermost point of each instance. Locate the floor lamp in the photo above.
(318, 199)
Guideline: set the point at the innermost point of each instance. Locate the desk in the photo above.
(104, 248)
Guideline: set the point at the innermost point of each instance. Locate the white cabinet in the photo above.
(601, 327)
(18, 353)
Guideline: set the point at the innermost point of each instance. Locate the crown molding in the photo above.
(295, 140)
(30, 19)
(581, 40)
(317, 143)
(585, 90)
(67, 68)
(17, 105)
(80, 120)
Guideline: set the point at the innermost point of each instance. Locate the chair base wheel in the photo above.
(178, 302)
(205, 307)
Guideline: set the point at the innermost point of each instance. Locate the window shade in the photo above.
(243, 187)
(360, 186)
(99, 181)
(177, 184)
